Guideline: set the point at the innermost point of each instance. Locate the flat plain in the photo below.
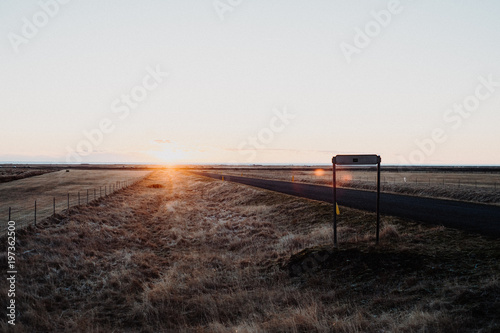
(182, 252)
(21, 194)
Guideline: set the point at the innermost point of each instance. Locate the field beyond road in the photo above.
(21, 194)
(474, 184)
(182, 252)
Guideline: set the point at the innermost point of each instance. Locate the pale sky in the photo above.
(249, 81)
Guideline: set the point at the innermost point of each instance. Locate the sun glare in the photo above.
(347, 177)
(170, 156)
(319, 172)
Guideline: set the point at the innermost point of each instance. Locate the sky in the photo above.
(250, 82)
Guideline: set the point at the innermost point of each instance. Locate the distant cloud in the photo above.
(280, 149)
(162, 141)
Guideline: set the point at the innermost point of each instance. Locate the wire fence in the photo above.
(29, 213)
(422, 181)
(474, 187)
(487, 182)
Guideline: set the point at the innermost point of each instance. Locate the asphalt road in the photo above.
(484, 219)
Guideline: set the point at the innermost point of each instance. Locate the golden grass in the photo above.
(196, 254)
(20, 195)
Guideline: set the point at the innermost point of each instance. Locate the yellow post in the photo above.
(337, 209)
(222, 177)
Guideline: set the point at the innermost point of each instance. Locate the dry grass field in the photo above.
(20, 195)
(178, 252)
(474, 187)
(8, 174)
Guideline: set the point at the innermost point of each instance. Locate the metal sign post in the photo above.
(354, 160)
(334, 206)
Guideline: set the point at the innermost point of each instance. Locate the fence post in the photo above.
(78, 198)
(459, 181)
(54, 205)
(35, 213)
(100, 191)
(9, 213)
(105, 190)
(68, 200)
(94, 194)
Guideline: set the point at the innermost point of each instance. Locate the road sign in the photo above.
(354, 160)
